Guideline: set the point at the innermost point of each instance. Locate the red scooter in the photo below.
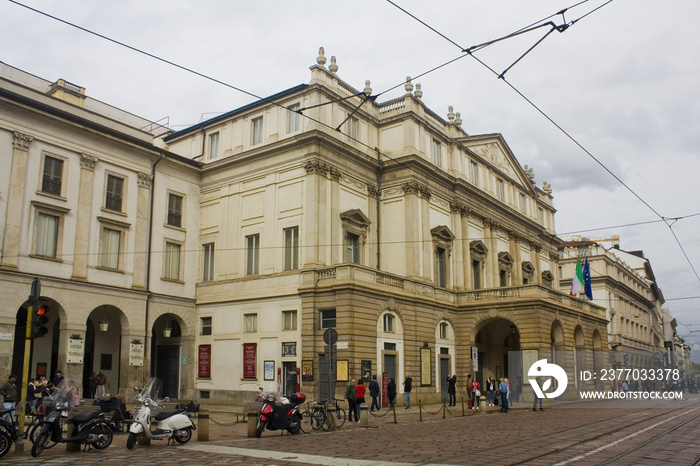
(275, 416)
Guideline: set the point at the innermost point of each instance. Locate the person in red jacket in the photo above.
(359, 398)
(476, 393)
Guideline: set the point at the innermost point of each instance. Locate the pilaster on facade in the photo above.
(15, 200)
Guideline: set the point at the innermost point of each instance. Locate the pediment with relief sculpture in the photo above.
(493, 150)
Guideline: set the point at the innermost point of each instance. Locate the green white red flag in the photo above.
(577, 281)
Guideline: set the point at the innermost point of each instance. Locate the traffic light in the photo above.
(39, 320)
(614, 364)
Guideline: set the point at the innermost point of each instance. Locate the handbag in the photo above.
(478, 392)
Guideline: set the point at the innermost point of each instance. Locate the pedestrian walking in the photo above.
(93, 384)
(31, 397)
(374, 393)
(10, 394)
(101, 384)
(360, 390)
(490, 388)
(534, 404)
(452, 389)
(391, 392)
(476, 393)
(503, 388)
(407, 389)
(350, 396)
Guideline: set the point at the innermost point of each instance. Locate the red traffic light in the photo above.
(41, 311)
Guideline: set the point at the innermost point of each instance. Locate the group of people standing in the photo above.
(36, 390)
(493, 389)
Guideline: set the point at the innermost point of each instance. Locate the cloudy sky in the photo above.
(622, 81)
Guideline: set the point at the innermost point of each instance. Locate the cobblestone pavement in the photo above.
(557, 435)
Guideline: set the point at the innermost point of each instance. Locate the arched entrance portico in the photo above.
(494, 338)
(167, 352)
(103, 330)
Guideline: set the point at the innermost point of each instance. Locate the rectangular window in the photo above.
(205, 323)
(476, 272)
(115, 186)
(293, 118)
(291, 248)
(443, 332)
(437, 152)
(352, 242)
(441, 266)
(352, 129)
(289, 320)
(328, 318)
(252, 250)
(504, 278)
(174, 210)
(523, 204)
(501, 190)
(388, 323)
(256, 134)
(214, 145)
(172, 261)
(46, 235)
(251, 323)
(53, 175)
(111, 241)
(540, 215)
(208, 262)
(474, 173)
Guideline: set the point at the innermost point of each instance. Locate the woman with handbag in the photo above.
(476, 393)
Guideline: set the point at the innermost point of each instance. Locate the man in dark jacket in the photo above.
(350, 396)
(374, 393)
(10, 394)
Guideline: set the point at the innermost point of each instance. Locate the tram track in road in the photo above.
(543, 439)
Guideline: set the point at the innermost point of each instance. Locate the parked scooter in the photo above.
(8, 431)
(274, 416)
(89, 429)
(174, 424)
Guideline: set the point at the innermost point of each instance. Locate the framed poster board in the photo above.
(204, 361)
(250, 353)
(341, 370)
(307, 370)
(425, 366)
(269, 367)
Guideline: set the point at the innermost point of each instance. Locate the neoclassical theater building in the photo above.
(243, 245)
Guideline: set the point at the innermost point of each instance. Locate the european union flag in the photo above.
(587, 280)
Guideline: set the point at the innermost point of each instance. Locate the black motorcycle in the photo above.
(89, 429)
(8, 431)
(275, 416)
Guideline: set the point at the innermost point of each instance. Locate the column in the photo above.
(535, 251)
(336, 241)
(143, 205)
(466, 250)
(413, 229)
(427, 237)
(517, 272)
(84, 216)
(15, 200)
(456, 225)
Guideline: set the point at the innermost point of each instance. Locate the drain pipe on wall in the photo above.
(147, 348)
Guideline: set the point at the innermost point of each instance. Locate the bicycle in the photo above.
(340, 415)
(319, 418)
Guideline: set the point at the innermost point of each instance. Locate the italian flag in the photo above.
(577, 281)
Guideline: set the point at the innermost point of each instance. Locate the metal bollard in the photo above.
(252, 422)
(203, 425)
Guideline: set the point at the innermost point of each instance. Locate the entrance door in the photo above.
(327, 377)
(390, 365)
(444, 373)
(168, 369)
(289, 378)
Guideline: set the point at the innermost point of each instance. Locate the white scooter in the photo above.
(174, 424)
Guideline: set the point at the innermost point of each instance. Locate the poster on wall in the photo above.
(269, 370)
(204, 362)
(425, 366)
(250, 351)
(341, 370)
(307, 370)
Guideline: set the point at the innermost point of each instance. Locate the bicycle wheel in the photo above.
(306, 421)
(317, 417)
(339, 417)
(327, 422)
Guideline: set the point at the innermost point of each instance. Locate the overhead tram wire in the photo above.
(501, 76)
(262, 99)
